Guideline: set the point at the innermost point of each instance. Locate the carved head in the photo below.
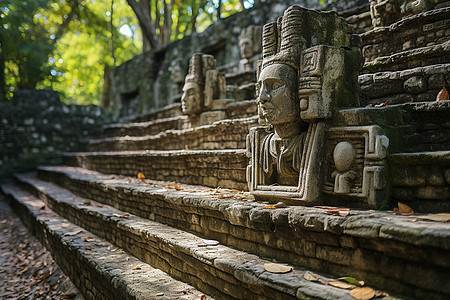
(250, 41)
(277, 99)
(246, 48)
(177, 72)
(192, 98)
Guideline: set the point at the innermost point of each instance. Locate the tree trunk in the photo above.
(147, 8)
(2, 77)
(219, 9)
(177, 26)
(145, 22)
(193, 17)
(107, 85)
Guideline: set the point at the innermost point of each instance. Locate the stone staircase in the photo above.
(176, 235)
(407, 61)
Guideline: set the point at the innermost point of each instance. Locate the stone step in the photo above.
(214, 268)
(408, 59)
(377, 247)
(224, 168)
(99, 269)
(420, 30)
(411, 85)
(226, 134)
(168, 111)
(144, 128)
(422, 180)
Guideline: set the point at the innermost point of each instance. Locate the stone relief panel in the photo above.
(354, 166)
(306, 74)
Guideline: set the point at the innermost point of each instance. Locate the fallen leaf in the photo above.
(138, 267)
(140, 176)
(89, 239)
(277, 268)
(68, 296)
(168, 187)
(442, 95)
(100, 206)
(89, 248)
(235, 191)
(223, 196)
(403, 209)
(203, 297)
(149, 182)
(114, 250)
(87, 202)
(206, 243)
(43, 206)
(352, 280)
(159, 294)
(270, 207)
(177, 187)
(326, 207)
(362, 293)
(342, 285)
(442, 217)
(310, 277)
(379, 294)
(72, 233)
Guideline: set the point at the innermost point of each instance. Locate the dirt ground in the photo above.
(27, 270)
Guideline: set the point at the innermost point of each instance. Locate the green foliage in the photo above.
(25, 45)
(66, 44)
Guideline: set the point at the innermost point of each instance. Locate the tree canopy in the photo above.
(71, 45)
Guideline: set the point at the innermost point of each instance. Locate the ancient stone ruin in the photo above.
(280, 151)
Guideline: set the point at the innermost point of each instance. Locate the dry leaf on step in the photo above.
(68, 296)
(442, 217)
(442, 95)
(362, 293)
(310, 277)
(138, 267)
(140, 176)
(403, 209)
(277, 268)
(342, 285)
(73, 232)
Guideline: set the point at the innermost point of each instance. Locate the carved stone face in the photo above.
(278, 100)
(191, 100)
(246, 48)
(176, 73)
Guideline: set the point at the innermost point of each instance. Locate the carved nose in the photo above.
(264, 96)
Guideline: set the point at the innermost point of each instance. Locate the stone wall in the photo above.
(143, 83)
(35, 128)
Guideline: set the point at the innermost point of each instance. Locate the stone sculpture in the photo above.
(249, 47)
(177, 75)
(202, 84)
(308, 71)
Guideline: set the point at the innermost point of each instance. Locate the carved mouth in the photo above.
(267, 112)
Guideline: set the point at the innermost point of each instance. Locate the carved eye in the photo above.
(276, 85)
